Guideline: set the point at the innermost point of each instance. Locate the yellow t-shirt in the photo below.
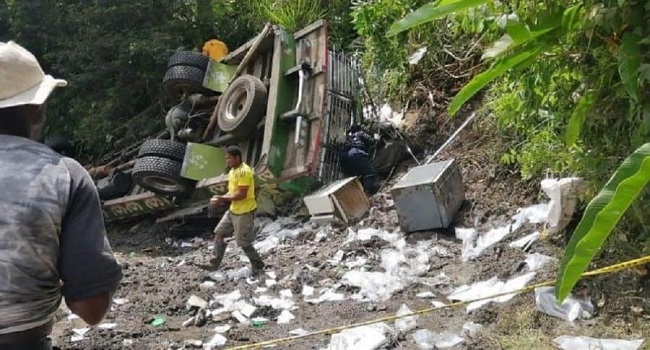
(242, 176)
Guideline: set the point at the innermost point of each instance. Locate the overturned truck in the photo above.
(286, 99)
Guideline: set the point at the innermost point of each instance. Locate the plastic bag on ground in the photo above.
(536, 261)
(360, 338)
(570, 310)
(490, 287)
(563, 194)
(406, 324)
(567, 342)
(374, 286)
(474, 244)
(425, 339)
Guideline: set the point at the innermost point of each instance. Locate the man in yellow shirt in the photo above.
(238, 220)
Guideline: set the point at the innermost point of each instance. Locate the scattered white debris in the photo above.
(222, 329)
(261, 290)
(441, 280)
(207, 285)
(425, 339)
(216, 341)
(471, 329)
(272, 275)
(107, 325)
(337, 258)
(570, 310)
(127, 342)
(79, 334)
(285, 317)
(120, 301)
(569, 343)
(197, 302)
(240, 274)
(217, 276)
(328, 294)
(239, 316)
(426, 295)
(446, 340)
(536, 261)
(298, 331)
(275, 303)
(360, 338)
(474, 244)
(246, 309)
(194, 343)
(286, 293)
(270, 282)
(307, 290)
(437, 303)
(186, 245)
(417, 55)
(563, 194)
(406, 324)
(492, 286)
(374, 286)
(525, 241)
(267, 245)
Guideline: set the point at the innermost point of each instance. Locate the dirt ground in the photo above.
(162, 272)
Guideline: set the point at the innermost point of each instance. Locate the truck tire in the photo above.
(161, 176)
(163, 148)
(189, 59)
(242, 105)
(184, 80)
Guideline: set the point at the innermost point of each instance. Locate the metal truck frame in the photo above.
(312, 100)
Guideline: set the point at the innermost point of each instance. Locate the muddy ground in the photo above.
(162, 272)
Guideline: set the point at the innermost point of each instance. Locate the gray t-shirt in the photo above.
(52, 237)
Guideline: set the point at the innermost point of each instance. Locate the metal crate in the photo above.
(429, 196)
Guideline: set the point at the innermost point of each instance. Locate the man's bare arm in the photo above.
(87, 267)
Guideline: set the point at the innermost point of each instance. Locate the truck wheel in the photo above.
(190, 59)
(163, 148)
(242, 105)
(161, 176)
(182, 81)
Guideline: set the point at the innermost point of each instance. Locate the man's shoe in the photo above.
(218, 250)
(256, 261)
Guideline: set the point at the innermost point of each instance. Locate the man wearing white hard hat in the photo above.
(53, 243)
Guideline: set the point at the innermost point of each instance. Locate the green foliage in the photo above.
(430, 12)
(601, 216)
(114, 56)
(289, 14)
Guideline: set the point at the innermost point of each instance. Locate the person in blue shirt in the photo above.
(355, 159)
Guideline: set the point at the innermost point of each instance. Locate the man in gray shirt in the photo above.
(53, 242)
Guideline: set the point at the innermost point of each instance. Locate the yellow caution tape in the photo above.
(605, 270)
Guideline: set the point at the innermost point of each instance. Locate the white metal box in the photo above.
(429, 196)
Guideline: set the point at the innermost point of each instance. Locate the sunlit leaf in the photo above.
(570, 19)
(601, 216)
(430, 12)
(498, 69)
(578, 117)
(498, 47)
(629, 60)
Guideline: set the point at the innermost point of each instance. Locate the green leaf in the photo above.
(498, 69)
(430, 12)
(601, 216)
(518, 32)
(498, 47)
(518, 35)
(570, 19)
(578, 118)
(629, 61)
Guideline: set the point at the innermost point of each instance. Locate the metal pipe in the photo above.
(451, 138)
